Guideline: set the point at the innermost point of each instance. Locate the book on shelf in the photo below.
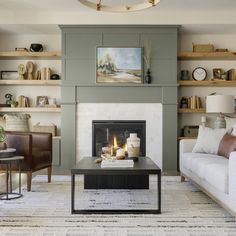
(194, 102)
(117, 164)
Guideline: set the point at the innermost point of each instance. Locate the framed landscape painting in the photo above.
(119, 65)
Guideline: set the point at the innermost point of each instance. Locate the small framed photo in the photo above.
(9, 75)
(41, 101)
(219, 73)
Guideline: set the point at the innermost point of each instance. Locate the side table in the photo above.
(8, 195)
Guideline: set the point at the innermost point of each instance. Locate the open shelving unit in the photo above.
(211, 56)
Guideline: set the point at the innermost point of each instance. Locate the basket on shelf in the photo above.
(45, 128)
(203, 47)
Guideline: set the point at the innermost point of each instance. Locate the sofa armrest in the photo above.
(186, 145)
(232, 177)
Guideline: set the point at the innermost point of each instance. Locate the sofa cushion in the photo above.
(195, 162)
(208, 167)
(208, 140)
(227, 145)
(217, 174)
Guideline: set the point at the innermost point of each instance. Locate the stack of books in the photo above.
(117, 164)
(194, 102)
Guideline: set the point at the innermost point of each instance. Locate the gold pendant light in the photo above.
(141, 5)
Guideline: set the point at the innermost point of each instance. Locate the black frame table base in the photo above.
(9, 195)
(145, 166)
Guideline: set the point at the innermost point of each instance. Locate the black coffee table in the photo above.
(144, 166)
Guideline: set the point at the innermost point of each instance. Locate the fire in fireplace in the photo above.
(113, 134)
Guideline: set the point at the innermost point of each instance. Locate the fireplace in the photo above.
(107, 133)
(114, 133)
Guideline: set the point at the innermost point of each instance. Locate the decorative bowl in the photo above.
(55, 77)
(36, 47)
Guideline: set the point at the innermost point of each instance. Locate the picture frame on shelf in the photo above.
(119, 65)
(41, 101)
(9, 75)
(219, 73)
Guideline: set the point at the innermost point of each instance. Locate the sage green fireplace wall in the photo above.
(78, 79)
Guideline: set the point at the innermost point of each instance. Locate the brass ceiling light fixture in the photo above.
(125, 7)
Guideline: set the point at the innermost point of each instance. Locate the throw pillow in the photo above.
(17, 122)
(208, 140)
(227, 145)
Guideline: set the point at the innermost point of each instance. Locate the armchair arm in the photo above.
(42, 140)
(22, 142)
(186, 145)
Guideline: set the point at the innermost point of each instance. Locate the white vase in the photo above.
(133, 145)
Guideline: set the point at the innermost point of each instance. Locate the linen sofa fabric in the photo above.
(227, 145)
(216, 175)
(208, 140)
(210, 168)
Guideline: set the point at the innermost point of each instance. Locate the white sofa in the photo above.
(213, 174)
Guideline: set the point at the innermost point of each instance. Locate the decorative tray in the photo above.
(9, 152)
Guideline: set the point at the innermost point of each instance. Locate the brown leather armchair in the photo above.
(36, 149)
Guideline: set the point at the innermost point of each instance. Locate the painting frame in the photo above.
(120, 72)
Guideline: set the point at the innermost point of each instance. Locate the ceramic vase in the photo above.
(148, 77)
(133, 145)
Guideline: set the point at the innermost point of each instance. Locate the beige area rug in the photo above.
(46, 211)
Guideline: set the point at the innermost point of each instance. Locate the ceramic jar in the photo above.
(133, 145)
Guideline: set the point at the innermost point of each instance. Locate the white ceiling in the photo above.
(43, 16)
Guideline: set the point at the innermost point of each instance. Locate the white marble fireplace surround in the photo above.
(151, 112)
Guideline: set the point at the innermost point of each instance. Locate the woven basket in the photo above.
(45, 128)
(203, 47)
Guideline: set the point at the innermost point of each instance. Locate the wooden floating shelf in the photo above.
(207, 55)
(31, 109)
(31, 82)
(26, 55)
(224, 83)
(186, 110)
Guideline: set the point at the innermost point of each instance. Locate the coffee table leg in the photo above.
(159, 191)
(7, 180)
(72, 193)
